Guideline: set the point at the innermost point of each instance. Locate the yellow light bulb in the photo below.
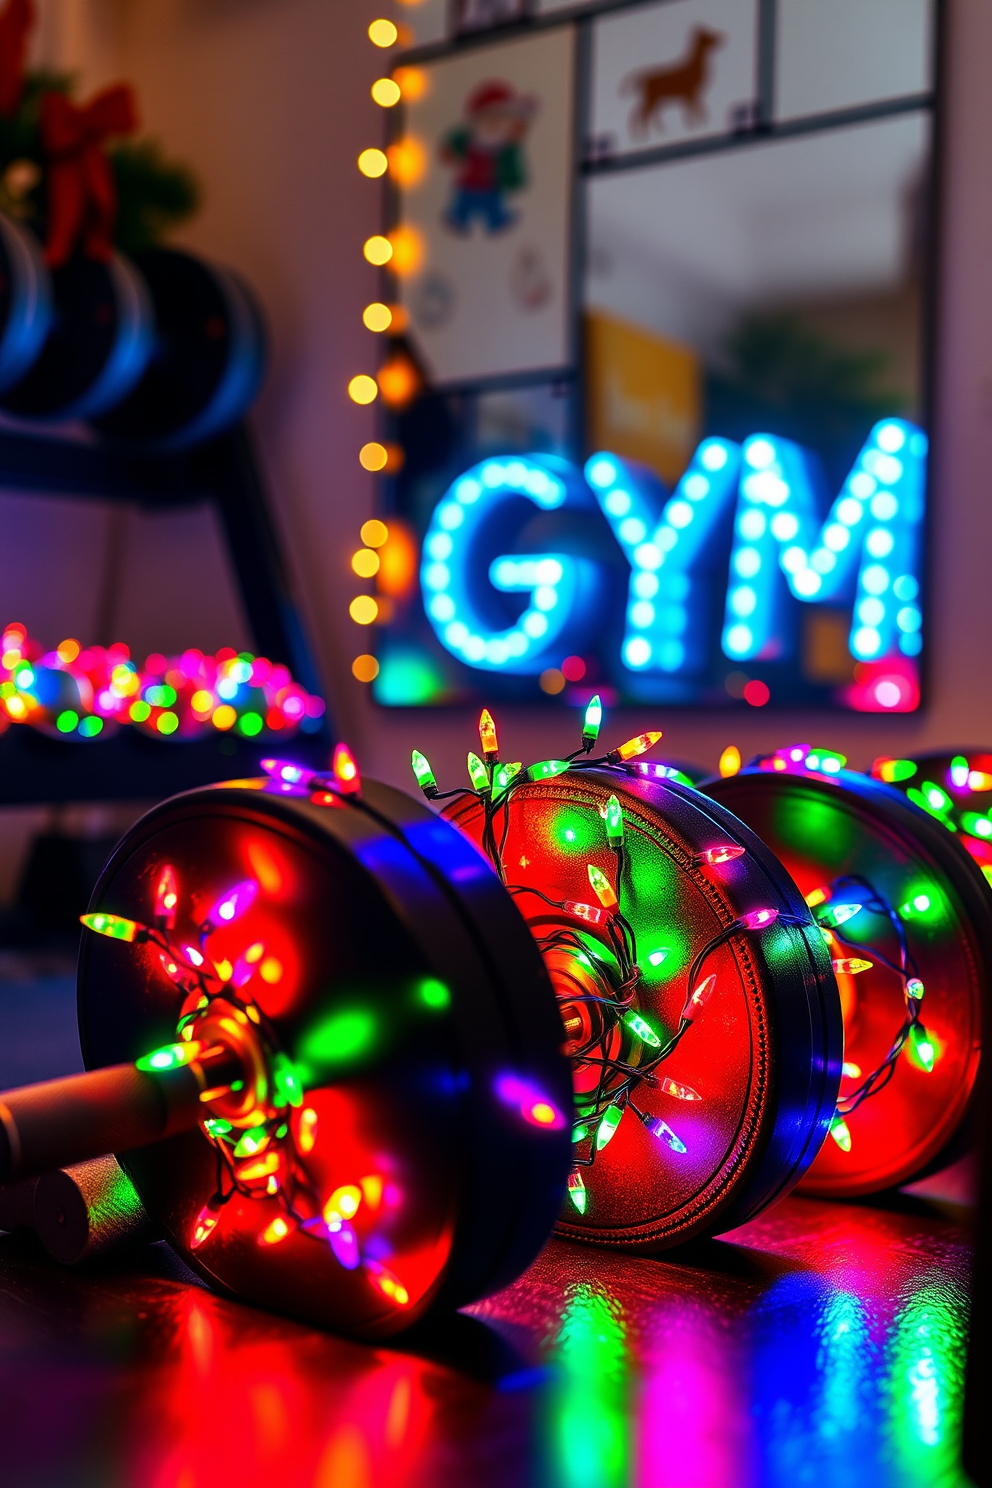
(363, 609)
(372, 163)
(730, 761)
(363, 389)
(378, 250)
(365, 563)
(385, 92)
(383, 34)
(377, 317)
(374, 533)
(373, 456)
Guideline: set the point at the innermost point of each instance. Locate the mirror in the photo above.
(693, 237)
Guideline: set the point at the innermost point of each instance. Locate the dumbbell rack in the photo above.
(130, 765)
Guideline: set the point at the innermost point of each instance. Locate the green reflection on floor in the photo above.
(591, 1423)
(925, 1384)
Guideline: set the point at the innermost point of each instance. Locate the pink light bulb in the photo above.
(759, 918)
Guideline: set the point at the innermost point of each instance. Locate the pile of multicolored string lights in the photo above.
(87, 692)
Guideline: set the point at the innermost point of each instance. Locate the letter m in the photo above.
(866, 553)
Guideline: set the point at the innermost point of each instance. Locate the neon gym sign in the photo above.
(865, 554)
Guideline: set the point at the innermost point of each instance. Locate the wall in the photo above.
(269, 100)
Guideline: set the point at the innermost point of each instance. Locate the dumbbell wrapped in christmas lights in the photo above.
(700, 1010)
(324, 1047)
(907, 918)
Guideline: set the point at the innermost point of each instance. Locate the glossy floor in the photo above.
(822, 1344)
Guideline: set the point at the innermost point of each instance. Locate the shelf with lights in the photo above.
(225, 472)
(324, 1047)
(700, 1008)
(907, 916)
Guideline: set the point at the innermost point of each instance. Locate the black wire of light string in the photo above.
(631, 1076)
(879, 1078)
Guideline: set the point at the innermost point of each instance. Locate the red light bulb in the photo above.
(724, 854)
(166, 897)
(346, 777)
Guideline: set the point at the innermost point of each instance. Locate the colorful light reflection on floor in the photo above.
(824, 1346)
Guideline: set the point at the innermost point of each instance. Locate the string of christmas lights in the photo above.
(957, 803)
(832, 909)
(87, 692)
(599, 981)
(832, 912)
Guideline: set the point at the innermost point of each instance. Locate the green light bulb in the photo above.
(479, 775)
(614, 821)
(932, 799)
(169, 1057)
(836, 914)
(287, 1087)
(504, 774)
(116, 927)
(606, 1130)
(424, 773)
(252, 1142)
(545, 769)
(642, 1030)
(841, 1133)
(592, 721)
(577, 1192)
(900, 769)
(918, 905)
(601, 886)
(922, 1047)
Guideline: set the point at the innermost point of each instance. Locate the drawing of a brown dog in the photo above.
(684, 82)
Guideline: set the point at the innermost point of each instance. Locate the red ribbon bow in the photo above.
(16, 22)
(82, 197)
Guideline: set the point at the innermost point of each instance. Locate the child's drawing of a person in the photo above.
(486, 150)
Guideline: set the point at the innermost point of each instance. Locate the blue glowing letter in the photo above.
(458, 579)
(664, 539)
(873, 529)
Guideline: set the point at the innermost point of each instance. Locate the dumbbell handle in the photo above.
(61, 1122)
